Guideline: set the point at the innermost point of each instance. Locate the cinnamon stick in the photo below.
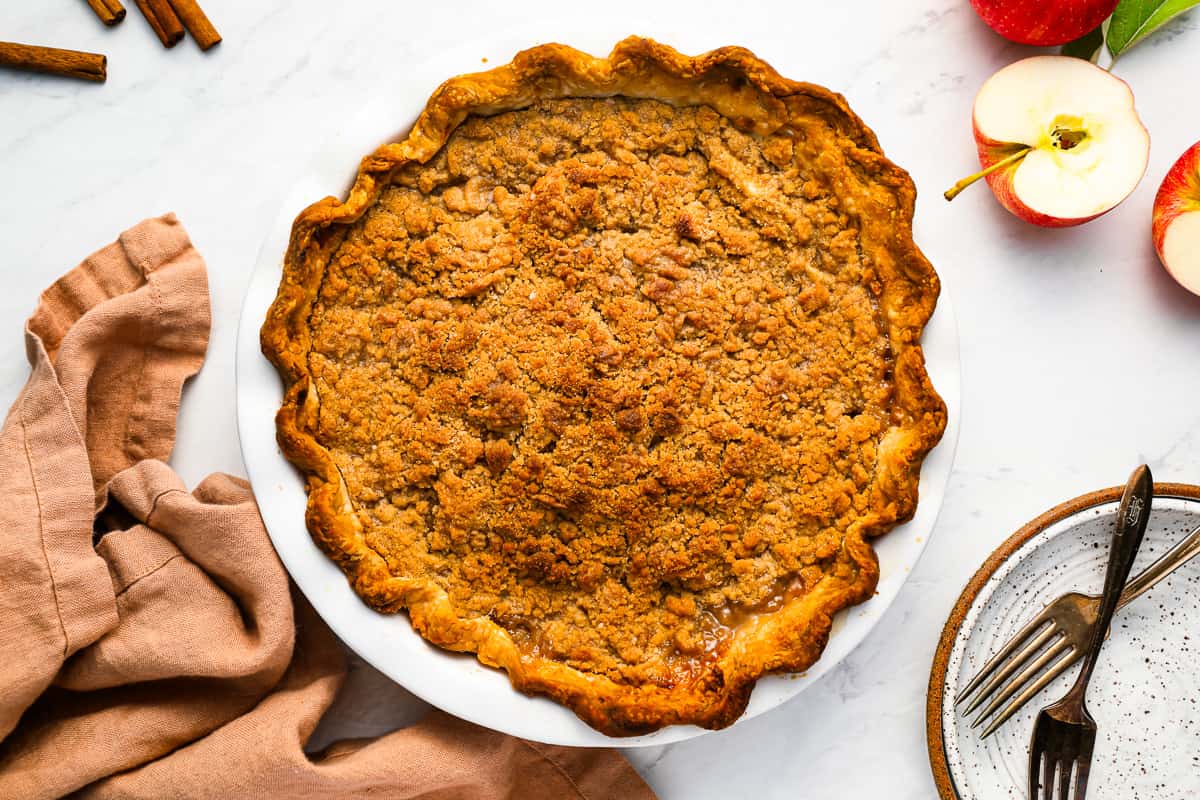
(68, 63)
(196, 22)
(110, 12)
(162, 20)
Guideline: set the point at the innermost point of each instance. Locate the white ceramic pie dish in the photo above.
(458, 684)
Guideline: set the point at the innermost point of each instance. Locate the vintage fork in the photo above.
(1066, 623)
(1065, 733)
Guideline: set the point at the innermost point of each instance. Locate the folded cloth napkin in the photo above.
(150, 645)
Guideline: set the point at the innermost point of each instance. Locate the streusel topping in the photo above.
(611, 373)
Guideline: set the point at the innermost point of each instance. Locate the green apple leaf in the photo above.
(1087, 46)
(1134, 20)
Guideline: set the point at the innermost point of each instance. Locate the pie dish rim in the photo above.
(293, 441)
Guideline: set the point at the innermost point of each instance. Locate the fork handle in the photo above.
(1170, 561)
(1132, 516)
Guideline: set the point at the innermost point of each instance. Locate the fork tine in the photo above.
(1009, 689)
(1064, 780)
(1048, 778)
(1030, 692)
(1081, 778)
(1024, 697)
(1009, 648)
(1012, 666)
(1035, 761)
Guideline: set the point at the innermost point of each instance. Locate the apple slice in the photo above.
(1177, 220)
(1043, 22)
(1059, 139)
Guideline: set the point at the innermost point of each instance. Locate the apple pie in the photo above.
(609, 372)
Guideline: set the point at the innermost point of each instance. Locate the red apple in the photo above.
(1177, 220)
(1059, 140)
(1045, 23)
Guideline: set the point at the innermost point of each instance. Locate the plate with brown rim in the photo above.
(1144, 694)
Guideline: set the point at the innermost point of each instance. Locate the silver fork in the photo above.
(1064, 734)
(1066, 625)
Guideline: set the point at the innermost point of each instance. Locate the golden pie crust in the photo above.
(609, 371)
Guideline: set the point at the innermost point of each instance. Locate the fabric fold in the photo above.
(81, 417)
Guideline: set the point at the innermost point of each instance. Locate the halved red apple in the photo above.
(1059, 140)
(1177, 220)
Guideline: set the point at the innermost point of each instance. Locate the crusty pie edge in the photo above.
(748, 91)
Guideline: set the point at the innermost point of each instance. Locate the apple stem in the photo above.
(954, 190)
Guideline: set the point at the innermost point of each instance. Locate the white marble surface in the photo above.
(1079, 353)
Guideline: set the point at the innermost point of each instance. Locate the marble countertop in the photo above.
(1079, 354)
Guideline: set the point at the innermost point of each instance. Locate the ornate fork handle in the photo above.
(1170, 561)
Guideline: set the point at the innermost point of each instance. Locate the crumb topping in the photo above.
(609, 372)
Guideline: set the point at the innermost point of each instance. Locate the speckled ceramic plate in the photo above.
(1146, 689)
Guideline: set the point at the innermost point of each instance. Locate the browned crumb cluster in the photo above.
(611, 373)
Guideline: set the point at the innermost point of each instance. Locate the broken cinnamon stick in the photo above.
(110, 12)
(68, 63)
(163, 20)
(196, 22)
